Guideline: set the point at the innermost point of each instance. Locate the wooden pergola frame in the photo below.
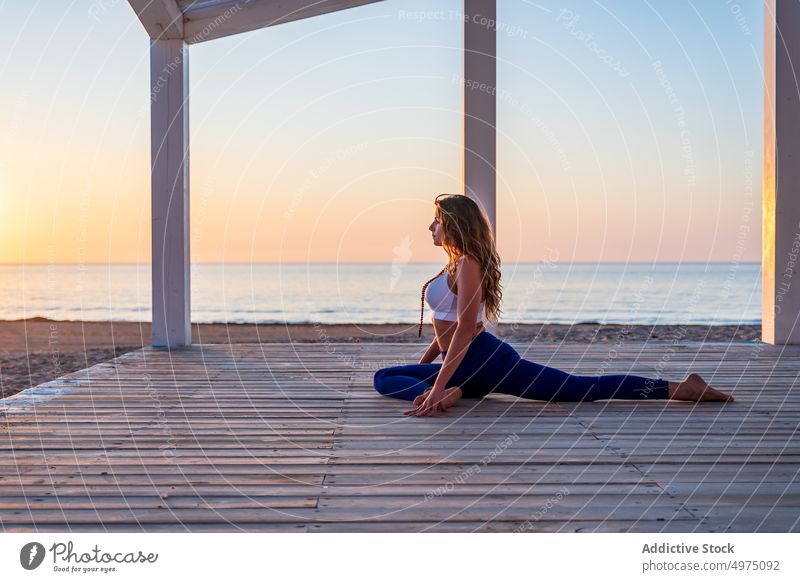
(175, 24)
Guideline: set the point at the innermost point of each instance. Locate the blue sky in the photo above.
(627, 131)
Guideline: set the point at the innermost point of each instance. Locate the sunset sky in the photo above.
(627, 131)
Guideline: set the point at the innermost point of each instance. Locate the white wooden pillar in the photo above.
(169, 147)
(480, 105)
(780, 247)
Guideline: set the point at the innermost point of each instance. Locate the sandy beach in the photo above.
(38, 350)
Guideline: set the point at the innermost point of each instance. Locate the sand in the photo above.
(37, 350)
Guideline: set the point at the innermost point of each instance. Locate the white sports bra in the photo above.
(444, 302)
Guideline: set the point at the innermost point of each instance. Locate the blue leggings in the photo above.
(492, 365)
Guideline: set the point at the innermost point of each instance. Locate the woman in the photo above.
(475, 362)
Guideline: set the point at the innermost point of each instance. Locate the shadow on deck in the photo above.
(292, 437)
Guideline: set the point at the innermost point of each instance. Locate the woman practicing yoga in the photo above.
(475, 362)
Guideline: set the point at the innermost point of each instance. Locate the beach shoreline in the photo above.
(37, 350)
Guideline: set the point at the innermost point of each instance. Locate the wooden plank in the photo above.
(316, 443)
(205, 490)
(471, 509)
(213, 20)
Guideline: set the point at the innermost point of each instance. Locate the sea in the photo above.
(543, 292)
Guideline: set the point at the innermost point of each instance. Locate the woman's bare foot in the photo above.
(697, 389)
(451, 396)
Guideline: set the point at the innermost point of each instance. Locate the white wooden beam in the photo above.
(161, 18)
(780, 248)
(480, 105)
(217, 19)
(169, 147)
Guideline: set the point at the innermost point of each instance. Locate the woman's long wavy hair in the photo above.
(468, 232)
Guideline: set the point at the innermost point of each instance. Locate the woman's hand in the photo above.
(421, 398)
(430, 405)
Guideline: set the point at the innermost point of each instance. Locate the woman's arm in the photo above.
(431, 353)
(468, 280)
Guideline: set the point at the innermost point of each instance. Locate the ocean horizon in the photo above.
(709, 293)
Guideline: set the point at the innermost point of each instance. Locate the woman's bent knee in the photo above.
(378, 380)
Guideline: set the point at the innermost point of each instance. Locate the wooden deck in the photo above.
(292, 437)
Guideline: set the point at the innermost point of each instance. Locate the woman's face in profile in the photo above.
(437, 231)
